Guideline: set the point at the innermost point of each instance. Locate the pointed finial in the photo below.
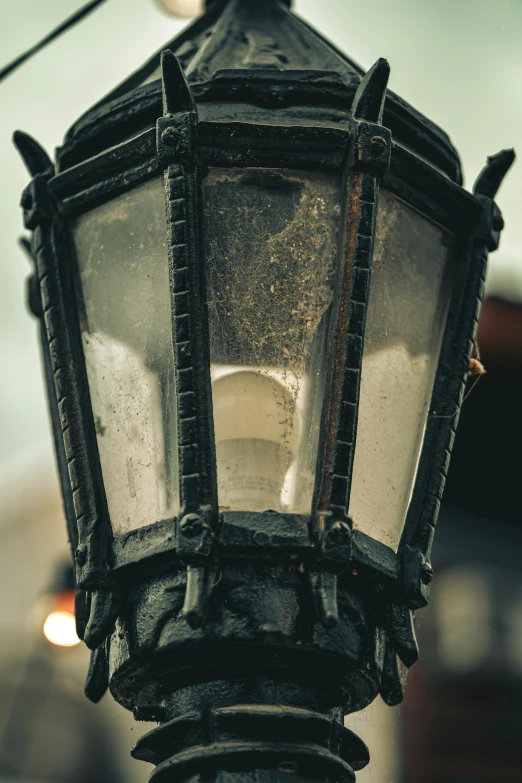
(491, 176)
(98, 675)
(177, 96)
(368, 103)
(25, 244)
(391, 689)
(401, 633)
(102, 616)
(34, 156)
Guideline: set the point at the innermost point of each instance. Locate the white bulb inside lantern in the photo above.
(256, 438)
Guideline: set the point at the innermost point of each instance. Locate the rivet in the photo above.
(426, 573)
(81, 555)
(261, 538)
(339, 532)
(190, 525)
(170, 137)
(378, 144)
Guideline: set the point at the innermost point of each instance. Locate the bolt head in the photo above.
(81, 555)
(261, 538)
(378, 144)
(339, 532)
(170, 137)
(426, 573)
(191, 525)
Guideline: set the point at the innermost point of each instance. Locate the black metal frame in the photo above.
(336, 563)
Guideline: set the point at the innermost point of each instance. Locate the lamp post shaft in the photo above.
(260, 689)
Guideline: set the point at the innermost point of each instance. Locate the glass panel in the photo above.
(271, 242)
(410, 293)
(126, 328)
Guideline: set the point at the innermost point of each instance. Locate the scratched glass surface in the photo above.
(409, 300)
(270, 248)
(121, 249)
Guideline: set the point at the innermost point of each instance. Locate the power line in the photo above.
(72, 20)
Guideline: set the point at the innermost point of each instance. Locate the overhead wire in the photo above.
(62, 28)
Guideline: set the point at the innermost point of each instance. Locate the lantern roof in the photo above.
(257, 55)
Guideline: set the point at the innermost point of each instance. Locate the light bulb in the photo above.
(255, 427)
(183, 7)
(60, 629)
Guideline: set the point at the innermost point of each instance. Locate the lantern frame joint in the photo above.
(176, 131)
(417, 573)
(372, 145)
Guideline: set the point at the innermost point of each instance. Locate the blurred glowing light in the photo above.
(60, 629)
(183, 7)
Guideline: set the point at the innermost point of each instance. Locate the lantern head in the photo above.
(258, 279)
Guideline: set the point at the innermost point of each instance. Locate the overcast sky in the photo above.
(458, 61)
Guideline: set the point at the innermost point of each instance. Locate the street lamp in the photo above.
(258, 296)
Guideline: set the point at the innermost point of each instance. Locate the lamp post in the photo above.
(257, 277)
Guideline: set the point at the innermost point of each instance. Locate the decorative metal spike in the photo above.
(327, 599)
(197, 593)
(490, 178)
(34, 156)
(177, 96)
(25, 244)
(401, 633)
(392, 691)
(97, 680)
(368, 103)
(34, 299)
(103, 612)
(81, 611)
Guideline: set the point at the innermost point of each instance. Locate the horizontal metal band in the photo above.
(253, 144)
(253, 535)
(112, 121)
(369, 553)
(312, 761)
(429, 191)
(144, 543)
(251, 532)
(253, 722)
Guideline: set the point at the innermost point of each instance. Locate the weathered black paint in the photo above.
(249, 634)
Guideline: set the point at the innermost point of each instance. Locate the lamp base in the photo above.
(255, 729)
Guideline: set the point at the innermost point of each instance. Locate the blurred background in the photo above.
(460, 63)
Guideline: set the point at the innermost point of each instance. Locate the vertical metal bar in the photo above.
(198, 518)
(65, 375)
(450, 383)
(35, 305)
(176, 141)
(91, 519)
(196, 468)
(368, 159)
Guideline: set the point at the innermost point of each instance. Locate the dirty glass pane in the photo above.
(409, 300)
(123, 284)
(270, 248)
